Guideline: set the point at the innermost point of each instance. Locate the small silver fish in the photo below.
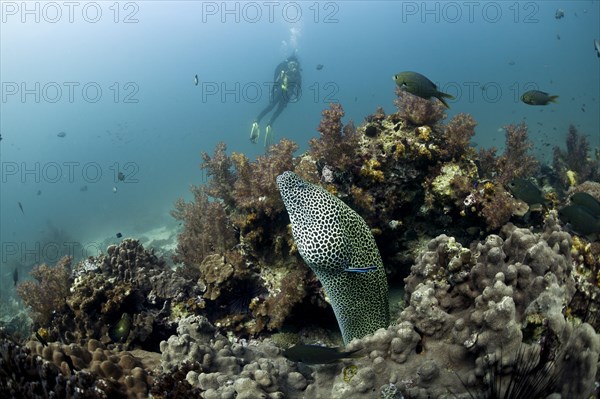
(597, 47)
(196, 80)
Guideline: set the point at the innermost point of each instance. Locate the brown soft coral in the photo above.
(278, 307)
(206, 228)
(418, 111)
(48, 294)
(337, 144)
(221, 176)
(516, 160)
(457, 136)
(497, 206)
(255, 189)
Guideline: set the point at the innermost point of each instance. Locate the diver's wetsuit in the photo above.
(286, 88)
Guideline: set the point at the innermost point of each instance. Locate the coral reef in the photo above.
(14, 318)
(69, 371)
(488, 311)
(127, 283)
(237, 242)
(575, 165)
(496, 294)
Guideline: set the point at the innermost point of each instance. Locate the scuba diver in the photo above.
(286, 88)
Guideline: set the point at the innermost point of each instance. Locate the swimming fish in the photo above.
(580, 219)
(597, 47)
(21, 207)
(360, 269)
(61, 134)
(41, 339)
(585, 200)
(527, 191)
(15, 276)
(559, 14)
(120, 176)
(315, 354)
(537, 97)
(120, 331)
(420, 86)
(119, 235)
(319, 67)
(114, 190)
(83, 189)
(196, 80)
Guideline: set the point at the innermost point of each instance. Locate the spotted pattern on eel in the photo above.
(336, 243)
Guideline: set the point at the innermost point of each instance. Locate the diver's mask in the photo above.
(292, 66)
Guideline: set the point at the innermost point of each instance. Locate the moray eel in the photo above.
(336, 243)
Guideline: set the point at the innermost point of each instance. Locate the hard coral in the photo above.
(470, 310)
(49, 293)
(128, 282)
(24, 374)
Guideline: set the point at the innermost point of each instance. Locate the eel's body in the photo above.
(336, 243)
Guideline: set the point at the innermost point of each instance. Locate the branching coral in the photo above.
(575, 165)
(48, 294)
(418, 111)
(337, 144)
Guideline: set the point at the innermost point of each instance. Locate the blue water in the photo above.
(151, 122)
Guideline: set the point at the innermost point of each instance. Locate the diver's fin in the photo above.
(268, 137)
(360, 269)
(254, 133)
